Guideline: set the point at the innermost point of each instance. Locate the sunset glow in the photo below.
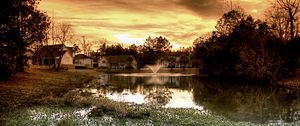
(126, 38)
(131, 22)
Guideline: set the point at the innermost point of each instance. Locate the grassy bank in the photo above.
(80, 117)
(34, 86)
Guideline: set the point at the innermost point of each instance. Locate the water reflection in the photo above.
(239, 103)
(159, 96)
(249, 103)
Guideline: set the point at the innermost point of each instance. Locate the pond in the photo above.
(237, 103)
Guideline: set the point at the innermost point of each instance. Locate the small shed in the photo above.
(83, 61)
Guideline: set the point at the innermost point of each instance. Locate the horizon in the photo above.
(131, 22)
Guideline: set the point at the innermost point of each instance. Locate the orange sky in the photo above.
(131, 21)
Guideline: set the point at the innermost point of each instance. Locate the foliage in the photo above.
(159, 97)
(293, 53)
(250, 51)
(229, 21)
(117, 49)
(21, 26)
(153, 49)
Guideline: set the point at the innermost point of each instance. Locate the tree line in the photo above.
(21, 26)
(243, 48)
(148, 53)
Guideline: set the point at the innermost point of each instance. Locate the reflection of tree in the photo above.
(160, 96)
(249, 102)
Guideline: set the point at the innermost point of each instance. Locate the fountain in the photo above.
(154, 68)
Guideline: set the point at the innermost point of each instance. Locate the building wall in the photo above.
(67, 59)
(86, 62)
(103, 63)
(134, 64)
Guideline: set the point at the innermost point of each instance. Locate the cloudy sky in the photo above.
(131, 21)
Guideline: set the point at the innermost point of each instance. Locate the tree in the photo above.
(21, 25)
(184, 60)
(154, 49)
(86, 46)
(278, 22)
(64, 33)
(250, 51)
(260, 53)
(229, 21)
(102, 44)
(293, 53)
(290, 8)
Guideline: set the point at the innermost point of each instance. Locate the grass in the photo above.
(40, 87)
(70, 116)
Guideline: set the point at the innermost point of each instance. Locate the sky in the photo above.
(132, 21)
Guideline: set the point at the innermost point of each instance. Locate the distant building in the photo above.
(175, 61)
(83, 61)
(49, 55)
(118, 62)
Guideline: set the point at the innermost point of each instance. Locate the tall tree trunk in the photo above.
(20, 63)
(292, 24)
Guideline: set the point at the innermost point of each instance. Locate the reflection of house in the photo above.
(50, 55)
(118, 62)
(83, 61)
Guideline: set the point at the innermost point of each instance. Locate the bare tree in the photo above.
(279, 22)
(86, 46)
(102, 46)
(290, 9)
(64, 33)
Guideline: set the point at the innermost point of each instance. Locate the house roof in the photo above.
(82, 56)
(53, 50)
(119, 58)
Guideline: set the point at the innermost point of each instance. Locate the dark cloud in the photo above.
(204, 8)
(133, 5)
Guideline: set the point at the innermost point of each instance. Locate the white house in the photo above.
(83, 61)
(118, 62)
(49, 55)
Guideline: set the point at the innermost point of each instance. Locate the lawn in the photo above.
(31, 87)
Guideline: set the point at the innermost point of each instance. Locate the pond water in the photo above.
(235, 102)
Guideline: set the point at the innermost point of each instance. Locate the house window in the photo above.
(52, 61)
(46, 62)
